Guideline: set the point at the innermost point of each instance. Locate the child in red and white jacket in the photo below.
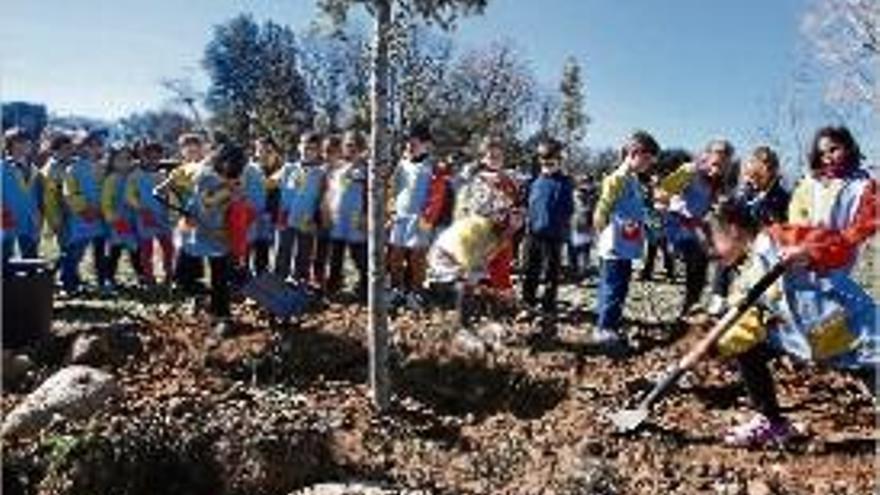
(818, 313)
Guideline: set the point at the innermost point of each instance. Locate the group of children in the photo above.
(249, 213)
(230, 209)
(816, 312)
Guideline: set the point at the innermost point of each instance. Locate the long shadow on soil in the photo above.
(676, 437)
(82, 312)
(647, 337)
(300, 358)
(460, 387)
(723, 397)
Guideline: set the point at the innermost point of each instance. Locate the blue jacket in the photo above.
(551, 204)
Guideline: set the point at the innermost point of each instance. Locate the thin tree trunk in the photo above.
(378, 312)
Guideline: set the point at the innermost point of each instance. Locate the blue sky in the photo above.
(686, 70)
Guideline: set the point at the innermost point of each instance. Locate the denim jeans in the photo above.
(614, 275)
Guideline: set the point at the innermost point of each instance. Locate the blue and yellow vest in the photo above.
(82, 192)
(22, 199)
(301, 196)
(624, 234)
(347, 190)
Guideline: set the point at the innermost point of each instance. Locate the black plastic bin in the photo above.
(27, 301)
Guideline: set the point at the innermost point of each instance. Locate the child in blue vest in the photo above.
(21, 199)
(687, 194)
(83, 224)
(409, 234)
(620, 220)
(300, 203)
(215, 185)
(179, 185)
(152, 218)
(118, 213)
(60, 154)
(277, 187)
(550, 206)
(347, 212)
(331, 161)
(267, 159)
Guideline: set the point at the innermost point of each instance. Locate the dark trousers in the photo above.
(284, 242)
(358, 253)
(71, 256)
(304, 249)
(578, 259)
(754, 369)
(322, 255)
(614, 275)
(259, 256)
(114, 256)
(188, 271)
(696, 263)
(191, 268)
(465, 305)
(543, 262)
(27, 247)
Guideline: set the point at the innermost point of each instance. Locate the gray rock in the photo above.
(15, 368)
(355, 489)
(72, 392)
(90, 348)
(105, 344)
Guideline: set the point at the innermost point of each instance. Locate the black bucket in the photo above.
(27, 301)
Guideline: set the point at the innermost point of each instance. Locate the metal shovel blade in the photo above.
(627, 420)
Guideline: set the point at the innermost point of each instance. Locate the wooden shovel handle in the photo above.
(732, 315)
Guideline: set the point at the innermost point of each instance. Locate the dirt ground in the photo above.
(278, 407)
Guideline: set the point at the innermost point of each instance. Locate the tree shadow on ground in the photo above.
(460, 387)
(673, 437)
(724, 396)
(297, 357)
(88, 312)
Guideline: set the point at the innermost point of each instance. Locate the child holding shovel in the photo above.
(818, 313)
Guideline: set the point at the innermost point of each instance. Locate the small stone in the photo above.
(15, 368)
(758, 487)
(90, 348)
